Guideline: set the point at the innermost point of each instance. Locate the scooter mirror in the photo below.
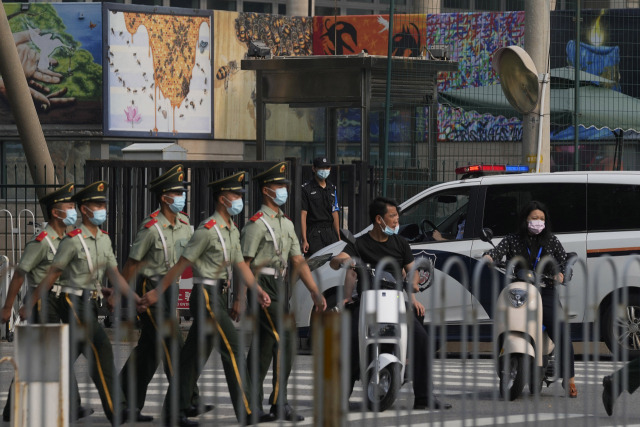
(347, 236)
(487, 235)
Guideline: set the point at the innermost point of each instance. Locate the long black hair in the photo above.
(523, 229)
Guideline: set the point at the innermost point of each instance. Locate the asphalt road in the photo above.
(469, 384)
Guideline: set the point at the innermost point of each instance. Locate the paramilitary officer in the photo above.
(213, 251)
(319, 215)
(82, 259)
(157, 247)
(33, 266)
(268, 242)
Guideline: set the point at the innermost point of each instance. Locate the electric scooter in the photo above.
(382, 328)
(524, 345)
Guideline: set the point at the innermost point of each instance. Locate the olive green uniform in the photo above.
(149, 250)
(208, 302)
(80, 308)
(34, 264)
(257, 243)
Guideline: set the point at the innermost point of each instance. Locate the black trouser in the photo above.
(422, 385)
(145, 357)
(630, 371)
(88, 337)
(552, 309)
(47, 310)
(320, 235)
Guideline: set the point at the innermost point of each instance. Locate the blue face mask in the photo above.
(99, 217)
(178, 203)
(236, 206)
(71, 218)
(390, 231)
(281, 196)
(323, 173)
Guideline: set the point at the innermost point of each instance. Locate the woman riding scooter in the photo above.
(532, 242)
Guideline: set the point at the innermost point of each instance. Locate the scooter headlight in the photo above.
(383, 330)
(517, 297)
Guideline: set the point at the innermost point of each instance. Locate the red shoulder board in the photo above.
(104, 232)
(155, 214)
(183, 221)
(150, 223)
(41, 236)
(256, 217)
(74, 233)
(286, 217)
(210, 224)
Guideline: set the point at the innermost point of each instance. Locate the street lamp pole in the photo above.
(24, 111)
(536, 43)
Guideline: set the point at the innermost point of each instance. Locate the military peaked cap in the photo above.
(61, 195)
(233, 183)
(171, 180)
(274, 175)
(95, 192)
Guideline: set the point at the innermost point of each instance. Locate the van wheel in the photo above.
(621, 327)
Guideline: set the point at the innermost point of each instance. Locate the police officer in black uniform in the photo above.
(319, 215)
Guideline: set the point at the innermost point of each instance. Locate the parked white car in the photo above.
(594, 214)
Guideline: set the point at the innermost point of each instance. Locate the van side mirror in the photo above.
(487, 235)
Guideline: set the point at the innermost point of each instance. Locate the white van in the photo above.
(594, 214)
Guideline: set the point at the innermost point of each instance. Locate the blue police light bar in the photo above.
(516, 168)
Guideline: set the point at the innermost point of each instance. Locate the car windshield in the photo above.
(444, 211)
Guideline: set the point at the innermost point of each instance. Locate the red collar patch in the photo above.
(256, 217)
(41, 236)
(209, 225)
(150, 223)
(104, 232)
(155, 214)
(74, 233)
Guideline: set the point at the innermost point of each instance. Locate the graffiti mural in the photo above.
(60, 48)
(159, 72)
(234, 89)
(349, 35)
(472, 38)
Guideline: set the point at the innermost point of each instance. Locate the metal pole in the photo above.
(576, 94)
(536, 43)
(24, 111)
(387, 102)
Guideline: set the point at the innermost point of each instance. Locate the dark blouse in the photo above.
(528, 247)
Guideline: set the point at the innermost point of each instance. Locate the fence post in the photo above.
(41, 396)
(327, 370)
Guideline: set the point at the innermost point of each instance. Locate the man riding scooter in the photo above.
(383, 241)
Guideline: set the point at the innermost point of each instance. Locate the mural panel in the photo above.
(234, 89)
(158, 79)
(60, 48)
(349, 35)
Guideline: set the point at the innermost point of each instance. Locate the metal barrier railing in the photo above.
(467, 359)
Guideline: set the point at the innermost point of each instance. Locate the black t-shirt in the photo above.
(371, 251)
